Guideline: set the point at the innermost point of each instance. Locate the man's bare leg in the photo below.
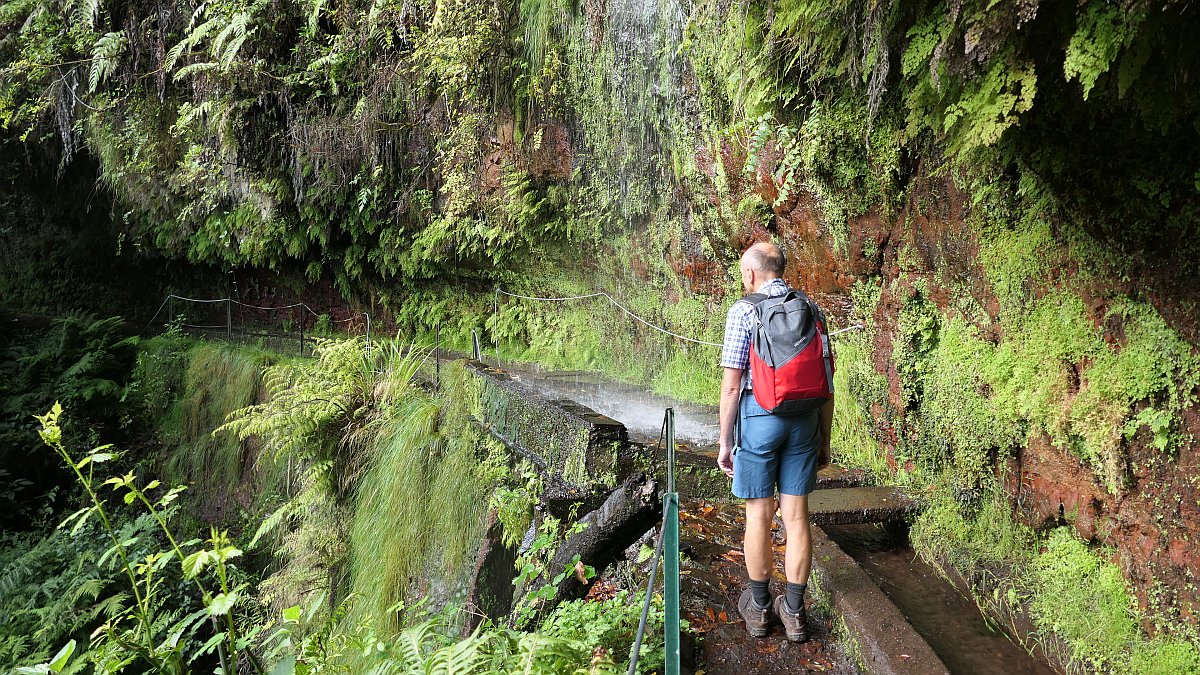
(757, 543)
(797, 561)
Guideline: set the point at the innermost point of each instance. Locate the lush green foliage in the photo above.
(460, 139)
(81, 361)
(142, 627)
(124, 590)
(1075, 594)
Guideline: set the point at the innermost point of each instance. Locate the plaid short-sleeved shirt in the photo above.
(735, 352)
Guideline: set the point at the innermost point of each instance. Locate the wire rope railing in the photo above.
(300, 322)
(613, 301)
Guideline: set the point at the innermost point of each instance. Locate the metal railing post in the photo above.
(228, 319)
(668, 547)
(366, 314)
(301, 332)
(475, 340)
(437, 356)
(671, 557)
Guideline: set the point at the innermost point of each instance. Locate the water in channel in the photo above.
(949, 622)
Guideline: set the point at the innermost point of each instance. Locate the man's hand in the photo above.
(825, 420)
(725, 459)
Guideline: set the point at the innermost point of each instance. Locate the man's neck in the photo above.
(763, 284)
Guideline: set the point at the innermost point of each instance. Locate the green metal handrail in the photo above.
(668, 539)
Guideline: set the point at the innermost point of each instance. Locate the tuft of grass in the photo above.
(419, 509)
(691, 375)
(219, 380)
(967, 535)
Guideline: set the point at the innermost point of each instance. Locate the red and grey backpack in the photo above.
(791, 365)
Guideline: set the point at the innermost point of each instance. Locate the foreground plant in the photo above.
(148, 632)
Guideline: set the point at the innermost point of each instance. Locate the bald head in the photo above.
(765, 258)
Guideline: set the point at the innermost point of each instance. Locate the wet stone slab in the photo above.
(858, 505)
(578, 449)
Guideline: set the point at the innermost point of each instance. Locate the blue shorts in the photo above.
(774, 451)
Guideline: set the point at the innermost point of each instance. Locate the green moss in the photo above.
(969, 534)
(956, 411)
(1165, 656)
(1084, 599)
(857, 387)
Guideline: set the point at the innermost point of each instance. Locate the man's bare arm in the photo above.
(731, 389)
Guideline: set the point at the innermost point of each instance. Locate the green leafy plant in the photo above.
(145, 633)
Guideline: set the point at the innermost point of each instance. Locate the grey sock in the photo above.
(761, 592)
(795, 596)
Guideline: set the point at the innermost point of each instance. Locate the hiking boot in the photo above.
(794, 624)
(758, 619)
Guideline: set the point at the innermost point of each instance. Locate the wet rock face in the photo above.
(1152, 525)
(552, 156)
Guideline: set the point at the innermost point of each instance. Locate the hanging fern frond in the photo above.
(229, 41)
(314, 17)
(107, 51)
(195, 35)
(86, 12)
(194, 68)
(758, 142)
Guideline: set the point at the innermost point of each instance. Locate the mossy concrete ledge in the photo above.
(579, 451)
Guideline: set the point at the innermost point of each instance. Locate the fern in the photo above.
(758, 144)
(105, 54)
(229, 41)
(991, 105)
(192, 68)
(195, 35)
(86, 13)
(1104, 31)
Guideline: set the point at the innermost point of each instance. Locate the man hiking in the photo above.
(776, 342)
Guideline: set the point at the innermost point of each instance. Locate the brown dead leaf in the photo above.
(580, 572)
(733, 555)
(723, 617)
(712, 616)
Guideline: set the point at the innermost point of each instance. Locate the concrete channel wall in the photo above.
(578, 450)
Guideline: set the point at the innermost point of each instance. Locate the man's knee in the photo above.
(794, 510)
(760, 512)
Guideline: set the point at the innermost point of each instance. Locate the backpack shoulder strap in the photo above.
(813, 307)
(754, 298)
